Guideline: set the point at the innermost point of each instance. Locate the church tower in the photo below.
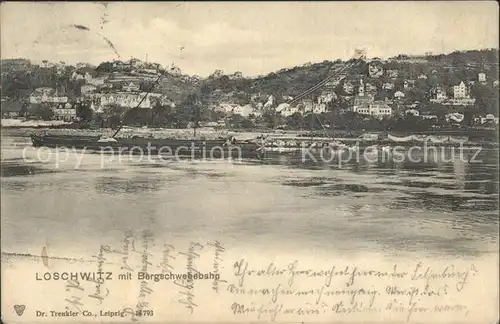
(361, 91)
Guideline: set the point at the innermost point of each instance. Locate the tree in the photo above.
(42, 111)
(247, 123)
(84, 111)
(137, 116)
(161, 115)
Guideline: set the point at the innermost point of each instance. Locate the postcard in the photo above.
(244, 162)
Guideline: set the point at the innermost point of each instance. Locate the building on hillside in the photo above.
(77, 76)
(438, 94)
(46, 95)
(225, 108)
(121, 99)
(131, 87)
(149, 71)
(413, 112)
(348, 87)
(270, 102)
(375, 69)
(456, 118)
(87, 88)
(481, 78)
(66, 112)
(496, 83)
(399, 95)
(461, 91)
(306, 105)
(135, 63)
(282, 106)
(380, 109)
(362, 99)
(429, 117)
(319, 108)
(80, 65)
(290, 111)
(97, 81)
(377, 109)
(174, 70)
(388, 86)
(327, 97)
(409, 84)
(244, 111)
(286, 110)
(370, 88)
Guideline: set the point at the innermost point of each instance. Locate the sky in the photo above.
(252, 37)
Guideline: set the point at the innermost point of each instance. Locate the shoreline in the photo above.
(490, 135)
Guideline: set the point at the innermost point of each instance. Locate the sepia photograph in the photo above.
(249, 162)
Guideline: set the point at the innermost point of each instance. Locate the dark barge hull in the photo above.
(187, 148)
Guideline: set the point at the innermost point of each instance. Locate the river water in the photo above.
(433, 210)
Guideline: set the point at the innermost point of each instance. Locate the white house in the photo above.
(439, 94)
(290, 111)
(87, 88)
(95, 81)
(455, 117)
(481, 77)
(244, 111)
(460, 91)
(131, 87)
(64, 112)
(380, 109)
(388, 86)
(377, 109)
(270, 102)
(49, 95)
(282, 106)
(225, 108)
(319, 108)
(413, 112)
(327, 97)
(399, 95)
(124, 99)
(348, 87)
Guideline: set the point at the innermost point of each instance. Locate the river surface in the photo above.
(432, 207)
(439, 214)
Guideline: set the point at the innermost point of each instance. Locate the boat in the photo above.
(217, 148)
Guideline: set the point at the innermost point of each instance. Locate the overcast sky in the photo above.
(253, 37)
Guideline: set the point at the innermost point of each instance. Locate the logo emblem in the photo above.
(19, 309)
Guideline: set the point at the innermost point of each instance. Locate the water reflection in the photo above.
(134, 185)
(438, 205)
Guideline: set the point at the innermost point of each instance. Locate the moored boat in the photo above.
(218, 148)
